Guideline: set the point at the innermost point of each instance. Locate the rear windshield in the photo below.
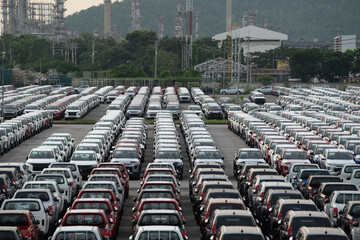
(165, 235)
(84, 219)
(58, 179)
(307, 174)
(65, 173)
(22, 205)
(235, 221)
(92, 205)
(316, 182)
(298, 207)
(299, 222)
(100, 186)
(340, 155)
(43, 196)
(112, 166)
(13, 220)
(159, 205)
(78, 235)
(350, 169)
(97, 195)
(159, 219)
(40, 186)
(327, 190)
(328, 237)
(251, 155)
(9, 235)
(223, 206)
(297, 168)
(237, 236)
(355, 211)
(71, 166)
(157, 195)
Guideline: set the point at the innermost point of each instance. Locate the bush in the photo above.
(266, 79)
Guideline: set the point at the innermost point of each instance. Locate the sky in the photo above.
(73, 6)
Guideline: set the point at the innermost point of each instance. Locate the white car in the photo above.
(40, 158)
(265, 90)
(74, 169)
(35, 206)
(232, 90)
(78, 232)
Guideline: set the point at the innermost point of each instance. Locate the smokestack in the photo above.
(107, 18)
(228, 15)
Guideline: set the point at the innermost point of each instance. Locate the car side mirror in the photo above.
(131, 238)
(356, 224)
(206, 221)
(111, 220)
(134, 199)
(27, 157)
(61, 190)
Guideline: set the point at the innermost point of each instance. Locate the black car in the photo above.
(294, 220)
(326, 189)
(267, 204)
(282, 206)
(313, 183)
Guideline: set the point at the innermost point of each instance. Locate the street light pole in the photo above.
(2, 86)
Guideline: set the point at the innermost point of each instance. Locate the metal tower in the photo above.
(5, 16)
(12, 16)
(60, 33)
(228, 15)
(107, 18)
(188, 37)
(179, 23)
(135, 15)
(22, 6)
(197, 23)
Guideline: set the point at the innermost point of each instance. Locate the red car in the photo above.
(289, 157)
(115, 171)
(24, 220)
(162, 185)
(91, 217)
(97, 203)
(102, 193)
(123, 171)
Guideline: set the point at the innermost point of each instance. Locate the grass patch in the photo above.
(77, 121)
(216, 121)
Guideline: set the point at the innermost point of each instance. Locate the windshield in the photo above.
(340, 155)
(173, 107)
(194, 108)
(73, 108)
(40, 186)
(297, 168)
(10, 107)
(209, 155)
(100, 186)
(159, 205)
(125, 154)
(154, 108)
(41, 154)
(214, 108)
(168, 155)
(306, 174)
(83, 157)
(13, 220)
(133, 108)
(52, 108)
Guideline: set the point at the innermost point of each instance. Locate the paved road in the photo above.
(226, 140)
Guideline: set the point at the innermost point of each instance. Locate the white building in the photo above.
(254, 39)
(344, 42)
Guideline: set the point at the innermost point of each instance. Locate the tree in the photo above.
(305, 63)
(335, 65)
(265, 79)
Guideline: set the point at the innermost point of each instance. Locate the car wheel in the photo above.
(223, 93)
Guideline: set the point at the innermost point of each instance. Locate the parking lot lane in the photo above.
(19, 153)
(228, 143)
(97, 112)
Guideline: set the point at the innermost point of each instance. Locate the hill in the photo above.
(307, 19)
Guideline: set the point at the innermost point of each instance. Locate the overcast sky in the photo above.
(78, 5)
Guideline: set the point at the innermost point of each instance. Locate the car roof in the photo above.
(322, 230)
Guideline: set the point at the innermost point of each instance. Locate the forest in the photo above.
(304, 19)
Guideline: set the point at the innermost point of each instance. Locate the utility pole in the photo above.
(93, 52)
(2, 87)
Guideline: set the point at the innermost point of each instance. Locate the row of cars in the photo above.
(157, 212)
(217, 205)
(288, 142)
